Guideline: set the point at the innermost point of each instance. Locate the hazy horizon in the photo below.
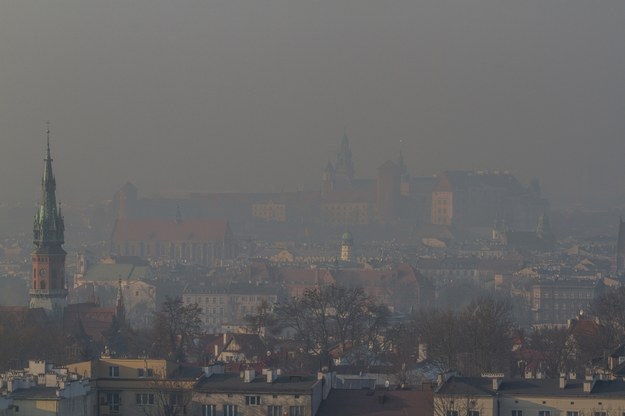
(247, 95)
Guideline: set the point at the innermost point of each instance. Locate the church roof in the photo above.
(94, 319)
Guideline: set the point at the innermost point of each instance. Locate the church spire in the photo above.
(48, 290)
(49, 226)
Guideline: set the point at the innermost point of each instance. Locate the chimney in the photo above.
(271, 376)
(423, 352)
(563, 380)
(249, 375)
(589, 383)
(496, 379)
(225, 338)
(213, 369)
(496, 383)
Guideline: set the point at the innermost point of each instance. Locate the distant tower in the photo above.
(346, 246)
(328, 179)
(620, 249)
(404, 176)
(120, 311)
(344, 167)
(84, 260)
(543, 229)
(344, 163)
(499, 231)
(125, 200)
(544, 233)
(48, 260)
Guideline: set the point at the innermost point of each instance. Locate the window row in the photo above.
(233, 410)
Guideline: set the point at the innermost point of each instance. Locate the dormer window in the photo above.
(113, 371)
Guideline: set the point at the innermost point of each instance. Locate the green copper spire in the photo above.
(49, 226)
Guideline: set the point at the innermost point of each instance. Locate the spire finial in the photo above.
(48, 138)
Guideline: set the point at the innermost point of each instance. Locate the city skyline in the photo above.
(239, 96)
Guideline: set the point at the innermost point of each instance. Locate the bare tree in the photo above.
(555, 347)
(333, 315)
(166, 397)
(462, 404)
(609, 310)
(174, 327)
(488, 335)
(442, 332)
(403, 351)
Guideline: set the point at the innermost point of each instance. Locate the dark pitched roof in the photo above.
(481, 386)
(377, 403)
(232, 382)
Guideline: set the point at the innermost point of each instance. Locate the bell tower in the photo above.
(48, 289)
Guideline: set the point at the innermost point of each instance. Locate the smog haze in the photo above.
(228, 95)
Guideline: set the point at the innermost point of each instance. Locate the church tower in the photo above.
(344, 167)
(347, 242)
(48, 260)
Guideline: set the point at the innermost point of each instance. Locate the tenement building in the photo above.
(493, 395)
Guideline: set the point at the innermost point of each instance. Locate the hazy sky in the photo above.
(213, 95)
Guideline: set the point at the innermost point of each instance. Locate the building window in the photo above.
(517, 413)
(473, 413)
(544, 413)
(144, 399)
(572, 413)
(231, 410)
(114, 401)
(209, 410)
(252, 400)
(452, 413)
(176, 399)
(599, 413)
(113, 371)
(145, 372)
(274, 410)
(296, 411)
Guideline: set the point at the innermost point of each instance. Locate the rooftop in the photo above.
(225, 383)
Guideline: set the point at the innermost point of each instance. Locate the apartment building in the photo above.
(493, 395)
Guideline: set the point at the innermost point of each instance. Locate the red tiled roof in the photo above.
(306, 276)
(170, 230)
(94, 319)
(584, 327)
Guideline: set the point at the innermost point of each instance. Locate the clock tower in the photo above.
(48, 289)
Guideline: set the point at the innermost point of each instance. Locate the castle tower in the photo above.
(346, 246)
(344, 167)
(48, 259)
(328, 179)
